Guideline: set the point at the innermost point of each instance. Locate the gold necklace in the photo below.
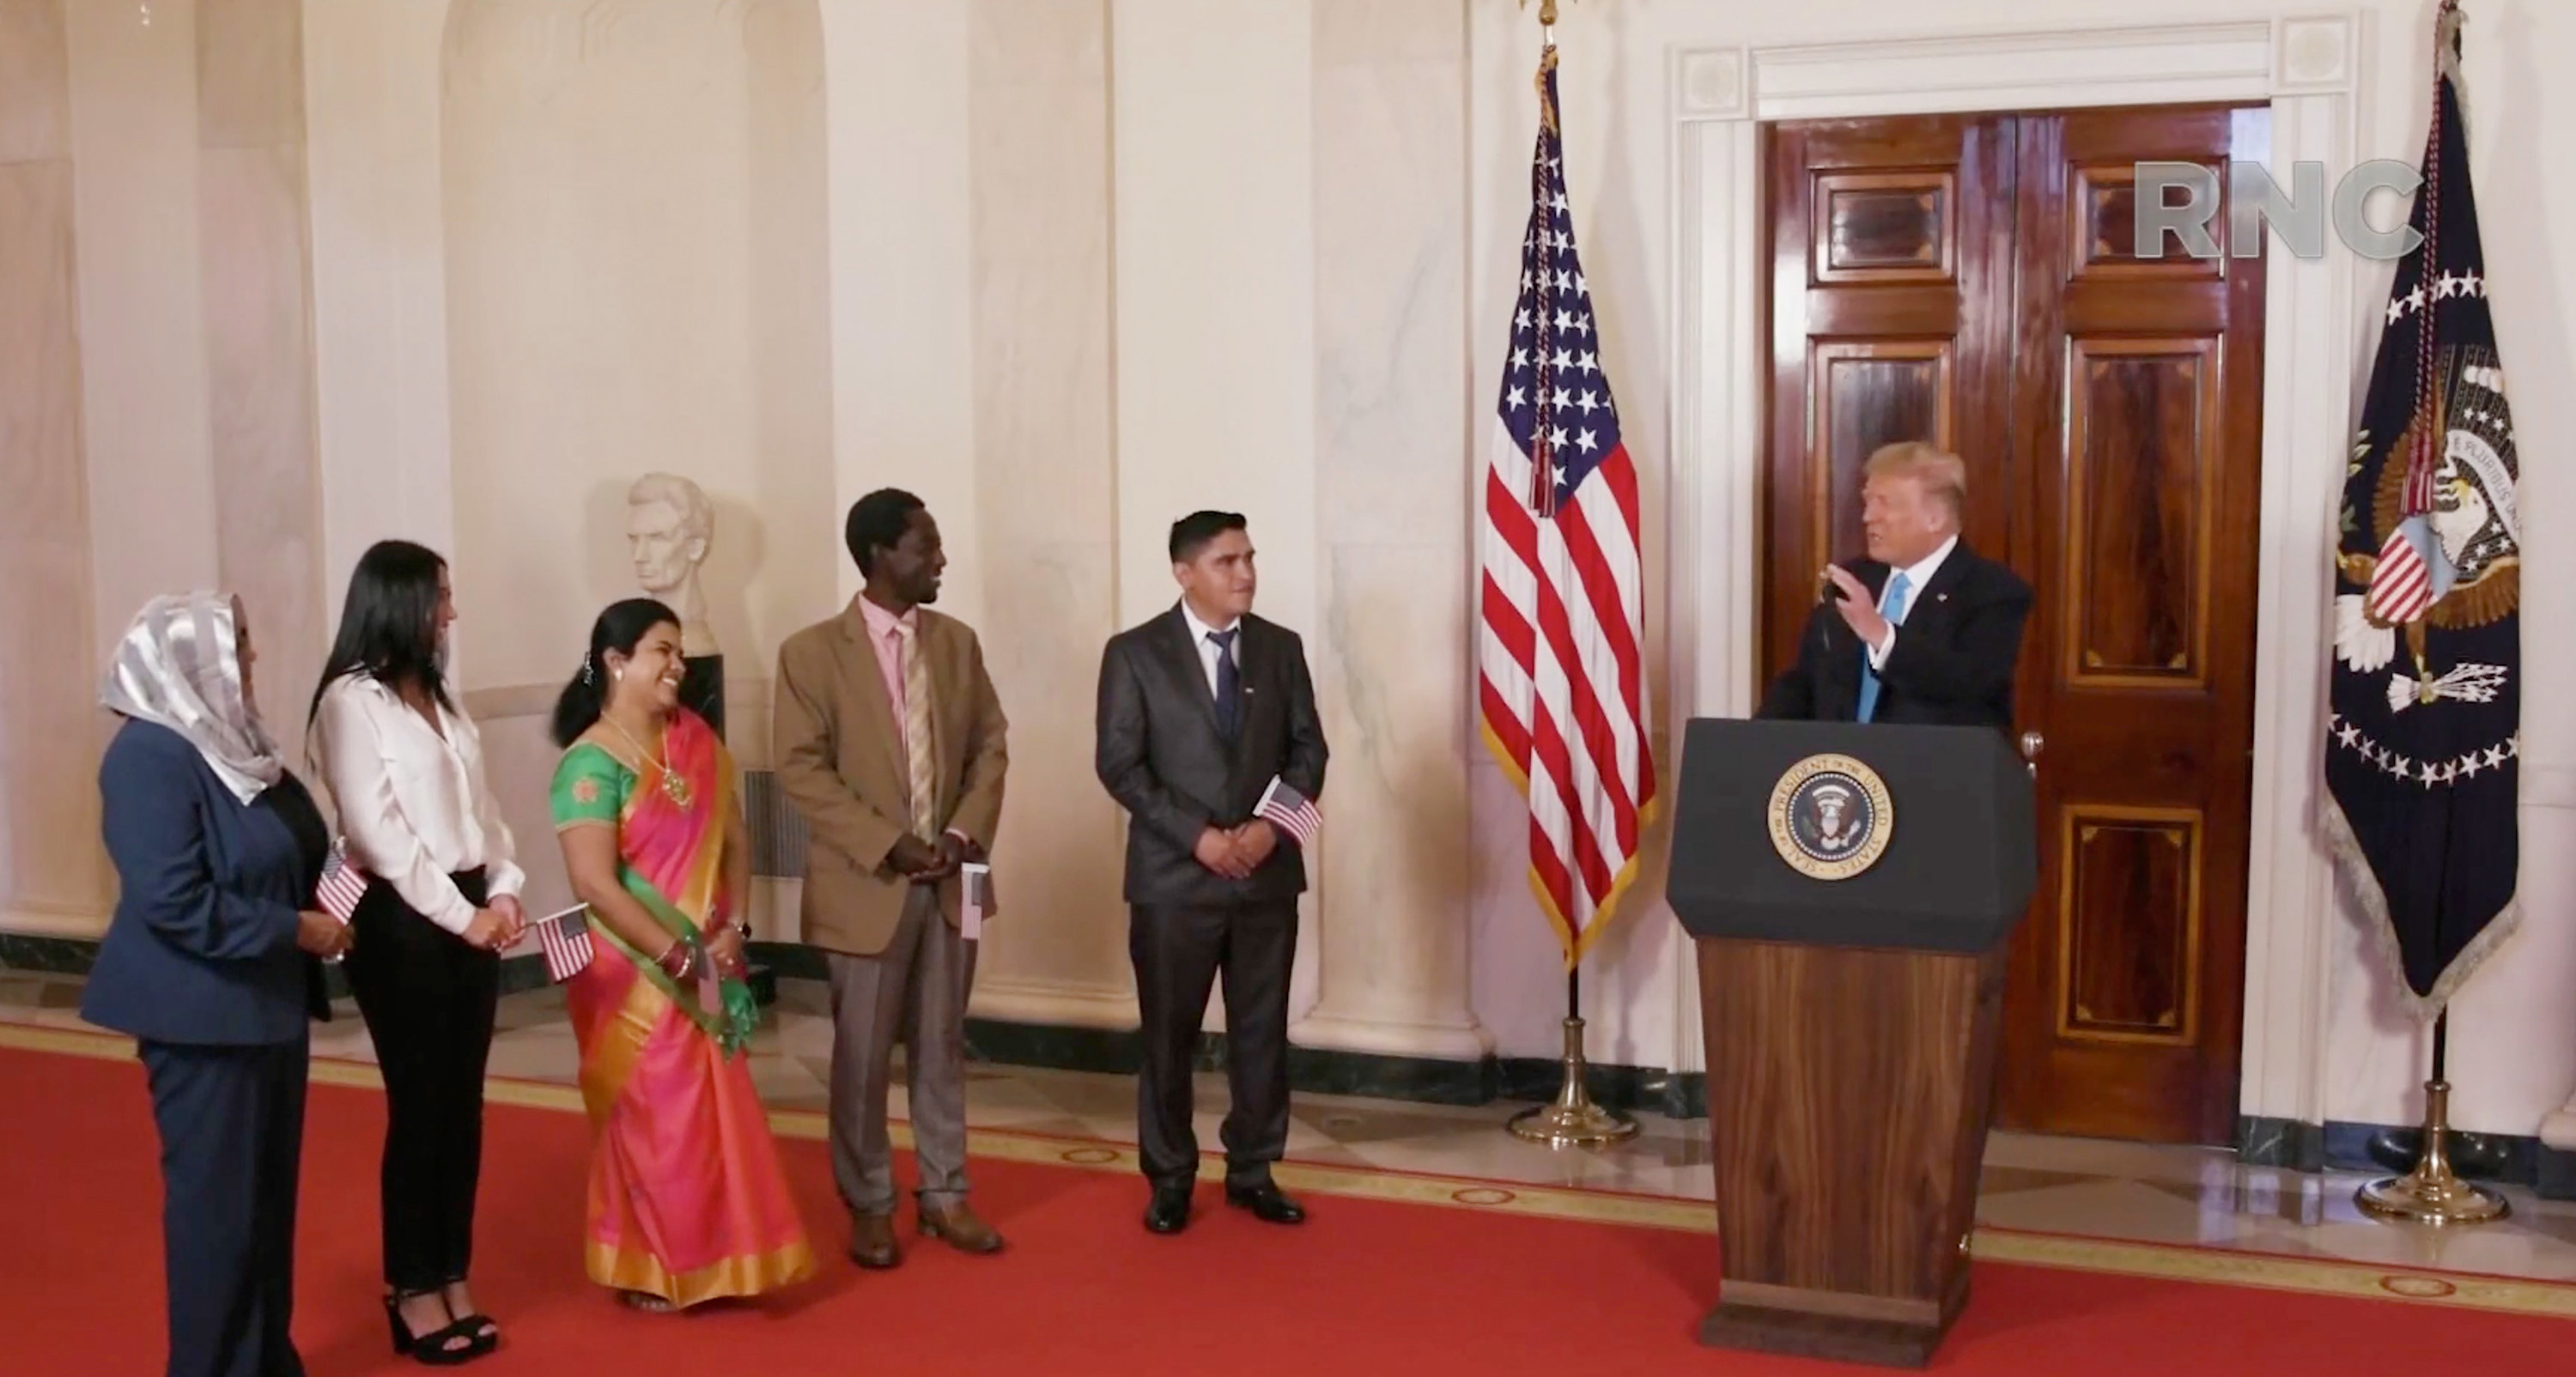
(673, 786)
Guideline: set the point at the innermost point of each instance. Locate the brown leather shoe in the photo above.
(958, 1227)
(872, 1242)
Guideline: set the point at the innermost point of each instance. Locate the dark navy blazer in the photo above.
(202, 948)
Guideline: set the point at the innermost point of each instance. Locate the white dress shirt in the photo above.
(413, 804)
(1917, 576)
(1199, 633)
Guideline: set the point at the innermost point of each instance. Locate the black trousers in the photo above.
(232, 1133)
(1178, 955)
(428, 999)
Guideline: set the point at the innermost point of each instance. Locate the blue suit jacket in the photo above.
(202, 947)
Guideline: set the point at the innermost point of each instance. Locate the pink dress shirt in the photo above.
(885, 637)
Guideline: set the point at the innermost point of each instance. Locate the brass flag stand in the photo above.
(1573, 1119)
(2432, 1194)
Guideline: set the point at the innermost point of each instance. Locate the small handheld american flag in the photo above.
(1291, 811)
(342, 885)
(565, 937)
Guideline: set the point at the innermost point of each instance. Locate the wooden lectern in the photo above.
(1850, 889)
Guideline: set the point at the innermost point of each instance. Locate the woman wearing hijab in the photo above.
(405, 769)
(210, 964)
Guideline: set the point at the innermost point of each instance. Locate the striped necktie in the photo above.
(919, 758)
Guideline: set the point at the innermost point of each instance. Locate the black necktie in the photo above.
(1229, 685)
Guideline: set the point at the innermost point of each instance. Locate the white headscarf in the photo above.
(178, 666)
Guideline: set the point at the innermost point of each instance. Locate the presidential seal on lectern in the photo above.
(1831, 817)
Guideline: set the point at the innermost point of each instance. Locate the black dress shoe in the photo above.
(1169, 1212)
(1266, 1203)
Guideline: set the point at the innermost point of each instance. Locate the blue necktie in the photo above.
(1229, 685)
(1891, 605)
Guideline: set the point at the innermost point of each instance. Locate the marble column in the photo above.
(1392, 480)
(1038, 146)
(52, 877)
(253, 210)
(143, 340)
(372, 92)
(1214, 133)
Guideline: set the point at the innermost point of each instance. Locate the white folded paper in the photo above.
(977, 901)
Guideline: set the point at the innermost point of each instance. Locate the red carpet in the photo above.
(1366, 1287)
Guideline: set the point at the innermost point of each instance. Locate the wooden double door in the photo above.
(1970, 280)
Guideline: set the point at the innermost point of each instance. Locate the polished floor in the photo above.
(2109, 1206)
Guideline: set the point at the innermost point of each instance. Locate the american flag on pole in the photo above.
(1562, 681)
(1291, 812)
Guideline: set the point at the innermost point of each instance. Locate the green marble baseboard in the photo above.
(2556, 1173)
(2263, 1141)
(1427, 1080)
(74, 956)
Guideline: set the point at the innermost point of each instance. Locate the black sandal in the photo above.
(437, 1348)
(482, 1328)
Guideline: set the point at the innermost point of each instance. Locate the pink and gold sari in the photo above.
(687, 1201)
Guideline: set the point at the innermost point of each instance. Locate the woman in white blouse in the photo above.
(405, 771)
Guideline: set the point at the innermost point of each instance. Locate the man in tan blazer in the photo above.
(889, 739)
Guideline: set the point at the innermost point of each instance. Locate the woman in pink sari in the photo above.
(687, 1202)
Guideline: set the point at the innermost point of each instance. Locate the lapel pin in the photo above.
(1940, 597)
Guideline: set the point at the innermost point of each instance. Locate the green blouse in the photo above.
(590, 786)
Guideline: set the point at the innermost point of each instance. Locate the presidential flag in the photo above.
(1291, 812)
(2424, 735)
(1561, 681)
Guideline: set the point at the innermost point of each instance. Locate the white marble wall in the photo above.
(1216, 308)
(143, 329)
(257, 276)
(372, 78)
(50, 872)
(156, 405)
(1044, 474)
(1392, 471)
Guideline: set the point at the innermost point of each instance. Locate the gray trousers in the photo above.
(914, 992)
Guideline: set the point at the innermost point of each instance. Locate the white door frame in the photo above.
(2310, 70)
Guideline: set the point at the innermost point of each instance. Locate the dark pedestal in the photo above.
(702, 690)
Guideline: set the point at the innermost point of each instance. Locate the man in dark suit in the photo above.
(1923, 631)
(1201, 709)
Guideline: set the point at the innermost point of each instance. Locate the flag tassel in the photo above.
(1573, 1118)
(2432, 1193)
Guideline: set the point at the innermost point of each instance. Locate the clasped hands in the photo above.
(492, 928)
(930, 862)
(1236, 852)
(497, 925)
